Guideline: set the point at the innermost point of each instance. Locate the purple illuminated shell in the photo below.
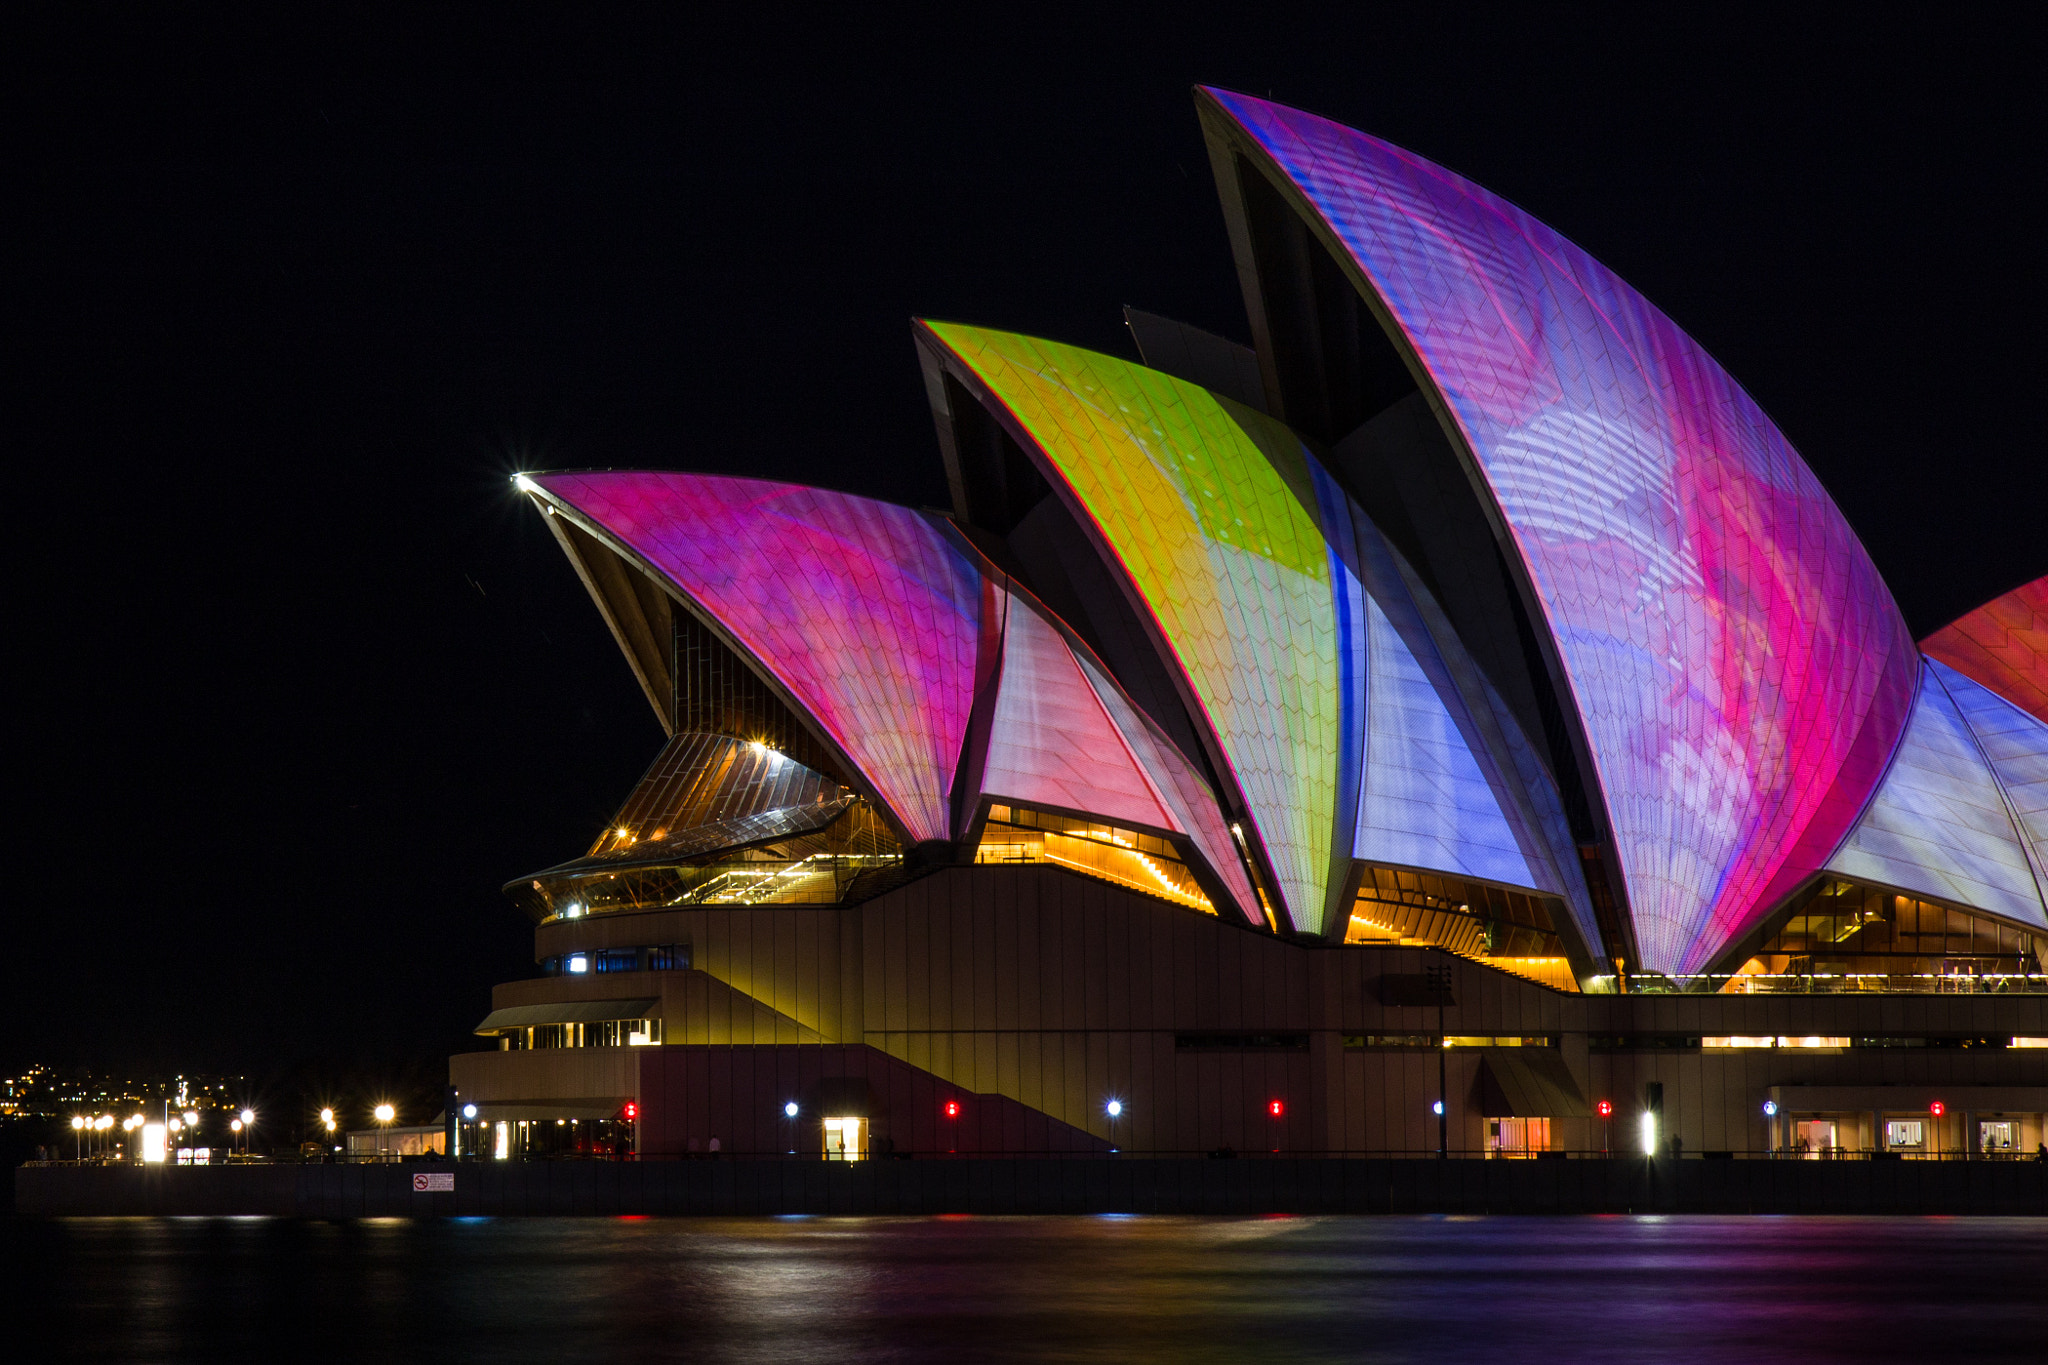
(1740, 671)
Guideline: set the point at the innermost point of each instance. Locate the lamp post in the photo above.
(1115, 1110)
(1438, 978)
(234, 1129)
(248, 1126)
(383, 1113)
(78, 1136)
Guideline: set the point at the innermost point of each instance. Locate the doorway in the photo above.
(1509, 1138)
(1815, 1137)
(846, 1139)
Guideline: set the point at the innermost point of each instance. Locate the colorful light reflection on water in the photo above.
(1085, 1289)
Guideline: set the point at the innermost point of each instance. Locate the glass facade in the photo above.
(1511, 930)
(1130, 858)
(609, 1033)
(663, 957)
(1847, 937)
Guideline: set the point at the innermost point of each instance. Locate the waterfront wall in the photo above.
(1024, 1186)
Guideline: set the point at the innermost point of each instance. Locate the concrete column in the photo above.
(1877, 1130)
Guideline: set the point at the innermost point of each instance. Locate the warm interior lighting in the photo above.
(1814, 1041)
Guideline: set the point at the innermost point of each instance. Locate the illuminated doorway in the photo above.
(846, 1139)
(1517, 1137)
(1815, 1137)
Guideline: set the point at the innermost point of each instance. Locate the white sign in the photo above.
(428, 1181)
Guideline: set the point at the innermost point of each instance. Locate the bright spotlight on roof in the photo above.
(524, 484)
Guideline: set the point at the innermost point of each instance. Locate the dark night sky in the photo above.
(301, 683)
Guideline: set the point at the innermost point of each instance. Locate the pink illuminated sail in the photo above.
(1739, 669)
(860, 609)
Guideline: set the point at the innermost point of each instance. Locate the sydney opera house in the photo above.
(1459, 720)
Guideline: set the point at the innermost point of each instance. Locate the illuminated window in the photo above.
(1738, 1041)
(1129, 858)
(1511, 930)
(578, 963)
(1843, 937)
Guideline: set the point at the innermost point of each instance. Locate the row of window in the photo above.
(606, 1033)
(1694, 1042)
(661, 957)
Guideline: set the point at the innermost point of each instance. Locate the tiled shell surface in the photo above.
(2003, 645)
(1739, 667)
(1941, 824)
(861, 609)
(1220, 538)
(2016, 745)
(1052, 744)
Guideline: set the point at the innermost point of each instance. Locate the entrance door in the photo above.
(1816, 1137)
(846, 1139)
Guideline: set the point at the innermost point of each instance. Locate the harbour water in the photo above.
(998, 1289)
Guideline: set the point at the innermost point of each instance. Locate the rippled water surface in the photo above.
(1087, 1289)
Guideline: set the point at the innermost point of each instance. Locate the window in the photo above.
(1844, 937)
(1904, 1133)
(1130, 858)
(660, 957)
(1510, 930)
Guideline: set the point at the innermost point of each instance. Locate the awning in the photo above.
(567, 1012)
(1528, 1083)
(848, 1097)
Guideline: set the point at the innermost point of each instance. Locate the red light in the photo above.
(952, 1109)
(1276, 1109)
(631, 1111)
(1606, 1109)
(1937, 1109)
